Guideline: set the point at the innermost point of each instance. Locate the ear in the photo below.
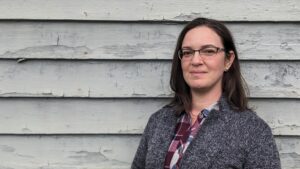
(229, 58)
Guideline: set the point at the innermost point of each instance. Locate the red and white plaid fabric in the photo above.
(184, 134)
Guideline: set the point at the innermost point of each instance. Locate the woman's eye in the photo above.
(209, 51)
(187, 53)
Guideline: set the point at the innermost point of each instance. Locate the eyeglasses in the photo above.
(206, 52)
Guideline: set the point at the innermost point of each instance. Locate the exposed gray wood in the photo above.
(289, 149)
(117, 116)
(67, 152)
(58, 116)
(129, 79)
(101, 40)
(88, 111)
(96, 152)
(279, 78)
(280, 114)
(254, 10)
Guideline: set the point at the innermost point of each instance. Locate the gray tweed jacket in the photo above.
(226, 140)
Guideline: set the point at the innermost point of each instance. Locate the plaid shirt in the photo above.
(184, 134)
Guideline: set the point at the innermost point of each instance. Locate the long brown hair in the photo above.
(233, 85)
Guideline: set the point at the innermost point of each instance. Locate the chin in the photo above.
(198, 86)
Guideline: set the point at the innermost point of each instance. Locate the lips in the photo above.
(198, 73)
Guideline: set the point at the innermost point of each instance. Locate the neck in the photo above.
(201, 100)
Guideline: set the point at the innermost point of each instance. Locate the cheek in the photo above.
(184, 68)
(216, 69)
(217, 65)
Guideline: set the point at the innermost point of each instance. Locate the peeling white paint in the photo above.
(287, 10)
(99, 151)
(144, 79)
(39, 40)
(52, 74)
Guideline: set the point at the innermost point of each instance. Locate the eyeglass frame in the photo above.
(199, 51)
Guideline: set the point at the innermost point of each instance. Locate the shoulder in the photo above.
(256, 139)
(159, 121)
(249, 126)
(165, 114)
(165, 111)
(248, 119)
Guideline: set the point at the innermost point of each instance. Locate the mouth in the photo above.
(198, 73)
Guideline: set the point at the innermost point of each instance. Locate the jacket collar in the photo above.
(223, 112)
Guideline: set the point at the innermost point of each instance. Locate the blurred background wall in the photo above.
(79, 79)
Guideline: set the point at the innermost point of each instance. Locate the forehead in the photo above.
(201, 36)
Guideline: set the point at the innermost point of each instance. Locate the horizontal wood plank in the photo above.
(96, 152)
(76, 116)
(150, 10)
(117, 116)
(102, 40)
(108, 79)
(275, 113)
(67, 152)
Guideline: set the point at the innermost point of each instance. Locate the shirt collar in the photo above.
(206, 111)
(214, 106)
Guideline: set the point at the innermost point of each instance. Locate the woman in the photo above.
(208, 123)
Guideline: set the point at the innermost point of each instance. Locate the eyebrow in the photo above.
(204, 46)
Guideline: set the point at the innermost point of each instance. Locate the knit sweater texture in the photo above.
(227, 139)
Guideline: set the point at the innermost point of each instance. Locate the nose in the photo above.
(197, 59)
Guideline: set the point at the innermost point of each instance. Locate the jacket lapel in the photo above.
(206, 144)
(162, 139)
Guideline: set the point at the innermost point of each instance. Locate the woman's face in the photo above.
(202, 72)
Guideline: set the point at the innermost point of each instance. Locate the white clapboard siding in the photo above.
(67, 152)
(117, 116)
(234, 10)
(95, 152)
(75, 116)
(280, 114)
(101, 40)
(79, 79)
(107, 79)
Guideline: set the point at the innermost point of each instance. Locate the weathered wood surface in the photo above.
(289, 152)
(88, 109)
(108, 79)
(234, 10)
(103, 40)
(281, 114)
(67, 152)
(76, 116)
(117, 116)
(95, 152)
